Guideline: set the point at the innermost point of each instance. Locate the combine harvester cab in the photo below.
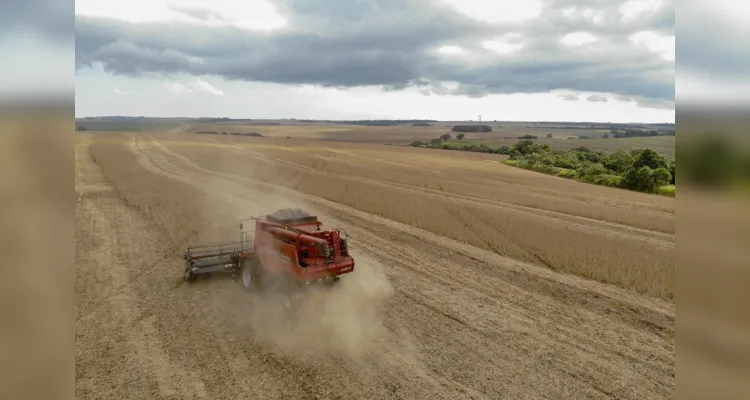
(289, 244)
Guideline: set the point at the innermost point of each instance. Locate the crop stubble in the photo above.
(461, 321)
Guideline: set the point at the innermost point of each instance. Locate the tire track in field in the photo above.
(219, 362)
(580, 222)
(110, 321)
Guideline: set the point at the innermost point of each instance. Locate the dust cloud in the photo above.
(344, 320)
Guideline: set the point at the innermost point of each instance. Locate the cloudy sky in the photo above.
(595, 60)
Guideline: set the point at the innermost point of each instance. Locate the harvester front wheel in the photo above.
(249, 276)
(188, 275)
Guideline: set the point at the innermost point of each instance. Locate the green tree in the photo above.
(649, 158)
(503, 150)
(567, 161)
(586, 154)
(661, 177)
(525, 147)
(672, 171)
(541, 159)
(618, 162)
(445, 137)
(593, 169)
(640, 179)
(460, 136)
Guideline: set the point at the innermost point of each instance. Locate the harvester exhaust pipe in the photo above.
(320, 244)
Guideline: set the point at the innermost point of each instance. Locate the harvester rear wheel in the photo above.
(250, 276)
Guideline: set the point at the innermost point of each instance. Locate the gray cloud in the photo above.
(646, 102)
(569, 97)
(710, 43)
(54, 20)
(597, 98)
(197, 13)
(345, 43)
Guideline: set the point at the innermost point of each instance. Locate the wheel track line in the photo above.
(381, 161)
(486, 289)
(105, 261)
(606, 227)
(148, 161)
(234, 362)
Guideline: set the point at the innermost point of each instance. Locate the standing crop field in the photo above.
(475, 279)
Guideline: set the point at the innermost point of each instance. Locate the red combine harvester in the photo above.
(289, 243)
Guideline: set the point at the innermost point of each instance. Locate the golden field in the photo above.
(476, 279)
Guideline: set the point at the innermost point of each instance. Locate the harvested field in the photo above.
(474, 280)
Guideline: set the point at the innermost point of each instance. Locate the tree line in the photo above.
(642, 170)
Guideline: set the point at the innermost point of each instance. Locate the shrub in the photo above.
(607, 180)
(503, 150)
(472, 128)
(661, 177)
(567, 161)
(540, 159)
(592, 170)
(648, 158)
(525, 147)
(255, 134)
(667, 190)
(567, 173)
(585, 154)
(618, 162)
(640, 179)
